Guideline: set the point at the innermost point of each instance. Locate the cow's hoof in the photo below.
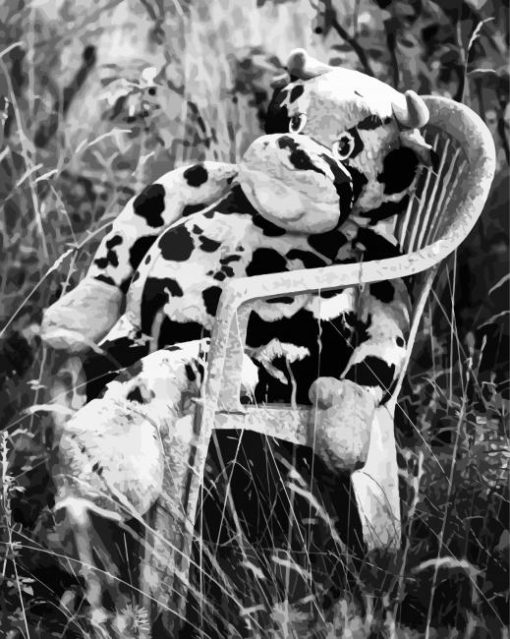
(82, 317)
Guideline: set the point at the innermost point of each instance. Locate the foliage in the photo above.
(97, 99)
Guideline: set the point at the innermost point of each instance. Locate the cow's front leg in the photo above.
(85, 314)
(344, 413)
(346, 406)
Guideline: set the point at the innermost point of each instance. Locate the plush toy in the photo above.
(324, 186)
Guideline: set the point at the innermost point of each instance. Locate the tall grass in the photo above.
(66, 167)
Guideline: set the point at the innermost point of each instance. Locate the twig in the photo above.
(27, 158)
(351, 41)
(391, 41)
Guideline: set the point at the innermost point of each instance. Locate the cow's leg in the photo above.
(84, 315)
(112, 453)
(345, 407)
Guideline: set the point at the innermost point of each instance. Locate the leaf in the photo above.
(477, 32)
(50, 408)
(476, 4)
(504, 542)
(483, 72)
(499, 283)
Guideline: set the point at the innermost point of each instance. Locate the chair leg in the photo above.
(156, 571)
(376, 485)
(80, 523)
(164, 573)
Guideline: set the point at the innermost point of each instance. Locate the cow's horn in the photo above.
(414, 115)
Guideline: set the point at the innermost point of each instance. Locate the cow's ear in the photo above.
(302, 66)
(277, 118)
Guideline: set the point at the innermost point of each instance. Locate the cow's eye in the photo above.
(344, 146)
(297, 123)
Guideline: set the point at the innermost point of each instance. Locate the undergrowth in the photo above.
(82, 129)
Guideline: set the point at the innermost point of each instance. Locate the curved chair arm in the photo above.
(466, 202)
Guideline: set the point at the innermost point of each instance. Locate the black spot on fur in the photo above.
(279, 300)
(266, 260)
(268, 228)
(277, 119)
(227, 270)
(383, 291)
(197, 230)
(111, 256)
(208, 245)
(373, 122)
(399, 170)
(376, 246)
(114, 241)
(296, 92)
(372, 371)
(235, 202)
(147, 259)
(176, 244)
(328, 244)
(150, 204)
(230, 258)
(358, 181)
(190, 209)
(105, 279)
(333, 293)
(135, 395)
(156, 293)
(298, 156)
(303, 330)
(196, 175)
(101, 262)
(343, 185)
(211, 298)
(101, 368)
(139, 250)
(309, 259)
(386, 210)
(181, 332)
(220, 276)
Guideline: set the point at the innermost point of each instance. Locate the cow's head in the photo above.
(338, 143)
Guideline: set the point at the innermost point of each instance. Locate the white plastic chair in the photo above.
(441, 213)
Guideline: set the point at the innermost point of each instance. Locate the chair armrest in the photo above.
(240, 291)
(462, 211)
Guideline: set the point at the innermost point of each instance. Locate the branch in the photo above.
(330, 14)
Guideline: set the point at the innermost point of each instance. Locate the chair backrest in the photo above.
(449, 198)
